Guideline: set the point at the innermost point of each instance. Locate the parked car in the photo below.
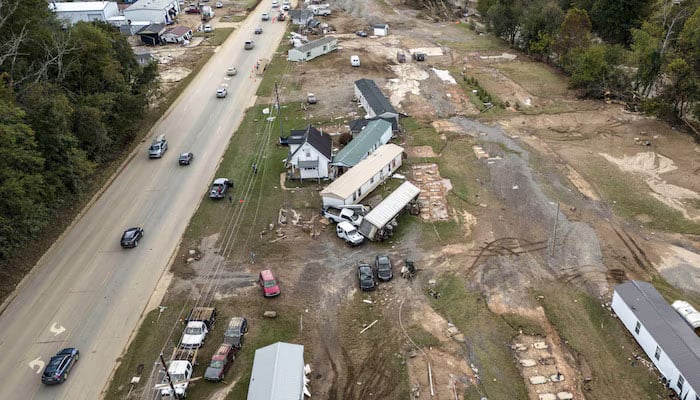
(311, 98)
(258, 30)
(383, 266)
(194, 335)
(231, 71)
(207, 28)
(355, 61)
(131, 237)
(349, 233)
(361, 33)
(285, 7)
(275, 3)
(185, 158)
(236, 329)
(158, 147)
(219, 4)
(265, 17)
(58, 367)
(221, 92)
(268, 283)
(365, 275)
(248, 45)
(193, 10)
(220, 362)
(219, 188)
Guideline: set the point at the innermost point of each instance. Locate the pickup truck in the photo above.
(341, 214)
(219, 188)
(199, 323)
(348, 233)
(180, 370)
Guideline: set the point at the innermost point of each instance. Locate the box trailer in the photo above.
(376, 225)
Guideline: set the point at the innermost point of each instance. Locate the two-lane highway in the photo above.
(87, 292)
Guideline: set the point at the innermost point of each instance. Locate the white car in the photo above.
(194, 335)
(207, 28)
(285, 7)
(219, 4)
(221, 92)
(275, 3)
(265, 16)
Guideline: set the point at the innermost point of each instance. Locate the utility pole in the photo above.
(279, 109)
(554, 233)
(167, 374)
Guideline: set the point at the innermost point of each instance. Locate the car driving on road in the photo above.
(383, 265)
(59, 366)
(231, 71)
(248, 45)
(158, 147)
(221, 92)
(185, 158)
(131, 237)
(265, 17)
(258, 30)
(366, 277)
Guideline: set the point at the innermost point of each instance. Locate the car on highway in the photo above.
(158, 147)
(265, 16)
(258, 30)
(220, 362)
(131, 237)
(285, 7)
(275, 3)
(221, 92)
(235, 330)
(366, 277)
(281, 17)
(383, 265)
(268, 283)
(231, 71)
(58, 367)
(207, 28)
(219, 188)
(185, 158)
(248, 45)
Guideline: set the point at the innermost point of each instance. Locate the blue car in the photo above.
(59, 366)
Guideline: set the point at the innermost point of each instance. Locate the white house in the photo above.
(309, 154)
(87, 11)
(278, 373)
(381, 29)
(153, 11)
(376, 133)
(667, 339)
(373, 101)
(177, 34)
(360, 180)
(314, 49)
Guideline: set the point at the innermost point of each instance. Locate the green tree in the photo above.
(541, 20)
(574, 34)
(595, 71)
(682, 87)
(504, 18)
(614, 20)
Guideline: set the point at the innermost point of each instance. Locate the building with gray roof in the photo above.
(278, 373)
(375, 134)
(373, 100)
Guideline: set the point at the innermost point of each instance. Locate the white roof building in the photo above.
(153, 11)
(278, 373)
(388, 209)
(86, 11)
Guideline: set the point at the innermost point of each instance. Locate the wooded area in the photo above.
(643, 52)
(70, 102)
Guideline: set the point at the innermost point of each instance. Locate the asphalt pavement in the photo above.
(89, 293)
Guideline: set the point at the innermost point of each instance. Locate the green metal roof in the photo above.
(362, 144)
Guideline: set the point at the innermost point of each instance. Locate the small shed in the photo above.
(153, 11)
(381, 29)
(86, 11)
(177, 34)
(666, 338)
(152, 34)
(363, 178)
(373, 100)
(278, 373)
(387, 210)
(377, 133)
(314, 49)
(301, 17)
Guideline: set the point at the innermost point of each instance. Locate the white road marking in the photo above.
(37, 363)
(57, 329)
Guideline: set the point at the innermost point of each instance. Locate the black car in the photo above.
(59, 366)
(361, 33)
(383, 265)
(366, 277)
(258, 30)
(237, 327)
(185, 158)
(131, 237)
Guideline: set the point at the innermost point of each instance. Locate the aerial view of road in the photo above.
(87, 292)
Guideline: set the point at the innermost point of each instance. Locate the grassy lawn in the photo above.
(216, 37)
(275, 70)
(475, 42)
(422, 134)
(628, 195)
(602, 341)
(487, 335)
(536, 78)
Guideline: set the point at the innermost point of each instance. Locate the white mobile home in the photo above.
(360, 180)
(278, 373)
(381, 29)
(153, 11)
(314, 49)
(375, 134)
(86, 11)
(667, 339)
(373, 101)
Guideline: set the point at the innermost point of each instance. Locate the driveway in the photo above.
(87, 292)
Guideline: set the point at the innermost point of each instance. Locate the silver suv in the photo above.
(158, 147)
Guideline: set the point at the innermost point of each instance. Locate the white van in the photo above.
(355, 61)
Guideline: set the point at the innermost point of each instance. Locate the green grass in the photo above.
(275, 70)
(602, 341)
(475, 42)
(527, 325)
(422, 134)
(629, 197)
(671, 293)
(421, 337)
(537, 78)
(216, 37)
(488, 336)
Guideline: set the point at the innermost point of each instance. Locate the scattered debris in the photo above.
(369, 326)
(270, 314)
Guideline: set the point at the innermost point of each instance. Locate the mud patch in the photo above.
(433, 191)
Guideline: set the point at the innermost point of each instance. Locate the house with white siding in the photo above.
(309, 154)
(363, 178)
(373, 100)
(153, 11)
(667, 339)
(86, 11)
(314, 49)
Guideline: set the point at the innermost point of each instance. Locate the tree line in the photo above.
(71, 100)
(644, 52)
